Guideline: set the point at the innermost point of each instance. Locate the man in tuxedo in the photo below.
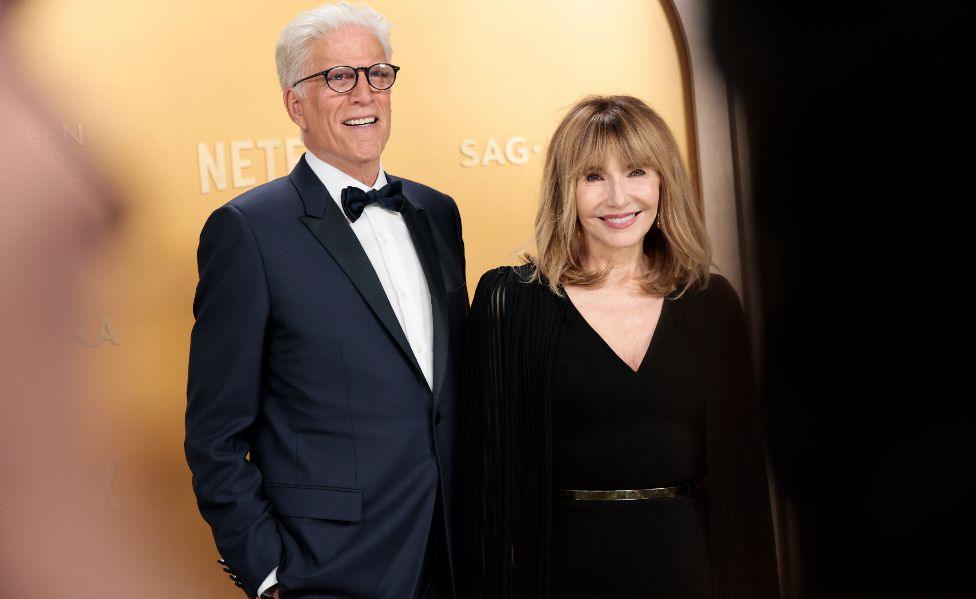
(324, 360)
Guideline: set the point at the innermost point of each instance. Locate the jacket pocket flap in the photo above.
(326, 503)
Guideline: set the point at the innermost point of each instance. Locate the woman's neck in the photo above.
(623, 266)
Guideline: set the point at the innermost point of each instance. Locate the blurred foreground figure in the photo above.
(861, 132)
(54, 212)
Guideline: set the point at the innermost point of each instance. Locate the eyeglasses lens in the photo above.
(382, 76)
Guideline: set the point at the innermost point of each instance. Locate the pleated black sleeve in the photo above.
(741, 542)
(507, 462)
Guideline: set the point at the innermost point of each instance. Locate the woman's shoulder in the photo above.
(512, 288)
(710, 313)
(714, 295)
(507, 277)
(718, 289)
(506, 272)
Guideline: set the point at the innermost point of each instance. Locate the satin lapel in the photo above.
(332, 230)
(420, 232)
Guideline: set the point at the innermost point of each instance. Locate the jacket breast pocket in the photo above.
(324, 503)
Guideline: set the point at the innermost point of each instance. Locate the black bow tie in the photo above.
(355, 200)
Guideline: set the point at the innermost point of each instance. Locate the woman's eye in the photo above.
(638, 172)
(593, 177)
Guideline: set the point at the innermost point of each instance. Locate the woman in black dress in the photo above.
(613, 438)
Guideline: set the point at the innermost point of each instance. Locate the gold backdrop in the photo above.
(178, 104)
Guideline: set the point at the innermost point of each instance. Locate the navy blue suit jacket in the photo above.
(315, 442)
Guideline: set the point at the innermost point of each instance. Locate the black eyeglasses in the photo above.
(344, 79)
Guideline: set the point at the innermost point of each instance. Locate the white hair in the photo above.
(291, 51)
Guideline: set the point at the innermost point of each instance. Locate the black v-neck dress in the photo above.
(548, 406)
(614, 428)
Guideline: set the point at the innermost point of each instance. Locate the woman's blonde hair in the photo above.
(626, 128)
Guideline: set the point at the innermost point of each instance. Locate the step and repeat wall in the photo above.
(177, 105)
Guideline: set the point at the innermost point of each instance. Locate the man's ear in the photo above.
(293, 104)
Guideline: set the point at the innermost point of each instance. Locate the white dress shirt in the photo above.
(387, 243)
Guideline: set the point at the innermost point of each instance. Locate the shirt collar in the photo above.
(336, 180)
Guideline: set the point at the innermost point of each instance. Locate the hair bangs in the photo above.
(609, 136)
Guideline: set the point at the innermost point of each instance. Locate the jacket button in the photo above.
(239, 584)
(437, 418)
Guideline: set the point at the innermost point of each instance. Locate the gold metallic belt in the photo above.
(627, 494)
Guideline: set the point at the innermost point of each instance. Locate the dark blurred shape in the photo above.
(861, 132)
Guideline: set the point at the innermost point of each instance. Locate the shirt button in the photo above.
(403, 295)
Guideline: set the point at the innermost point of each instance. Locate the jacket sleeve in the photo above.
(457, 227)
(231, 310)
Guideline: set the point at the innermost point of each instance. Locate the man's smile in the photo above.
(360, 122)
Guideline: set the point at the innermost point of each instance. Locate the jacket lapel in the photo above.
(329, 226)
(423, 241)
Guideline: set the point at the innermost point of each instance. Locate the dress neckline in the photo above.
(603, 342)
